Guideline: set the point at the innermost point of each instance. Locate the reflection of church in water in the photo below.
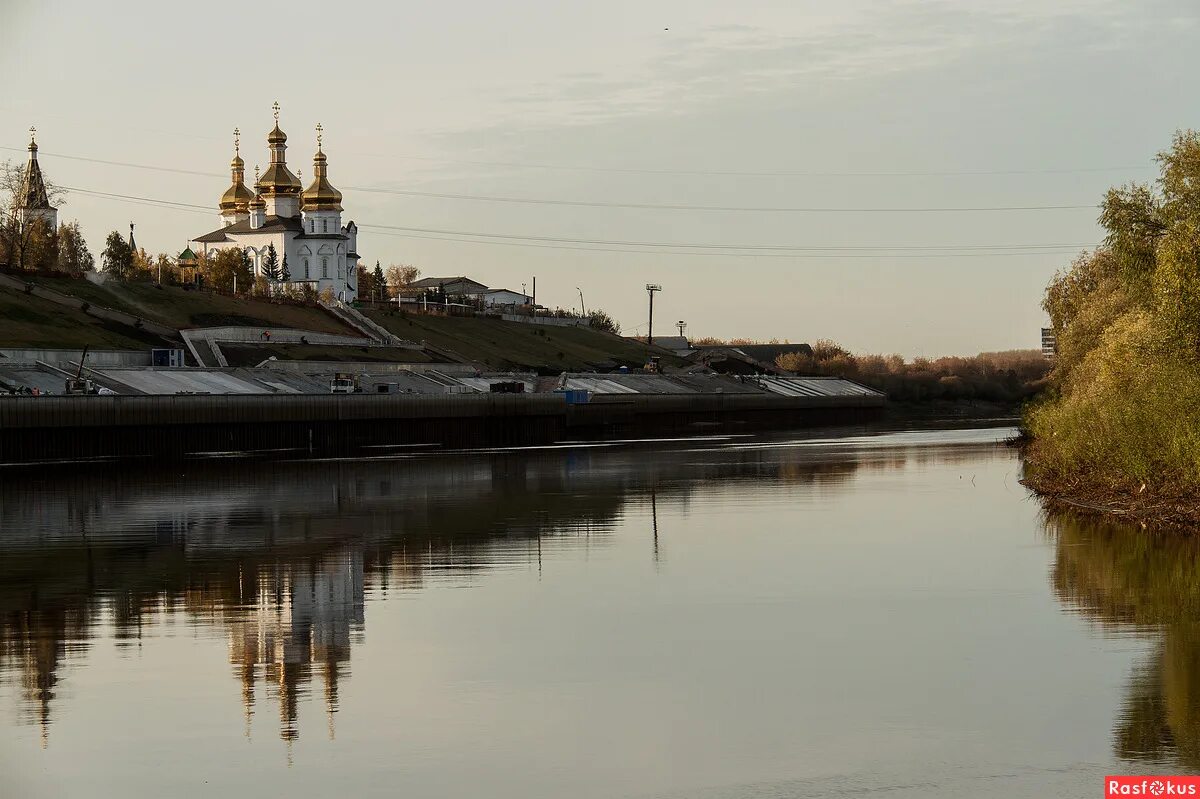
(298, 622)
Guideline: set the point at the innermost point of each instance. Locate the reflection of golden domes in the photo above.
(321, 195)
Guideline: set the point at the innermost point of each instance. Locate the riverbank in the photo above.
(1145, 507)
(1087, 493)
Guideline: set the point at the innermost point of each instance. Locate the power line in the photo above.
(626, 205)
(676, 245)
(696, 172)
(721, 208)
(662, 248)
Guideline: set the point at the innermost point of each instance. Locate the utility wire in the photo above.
(661, 248)
(698, 172)
(629, 205)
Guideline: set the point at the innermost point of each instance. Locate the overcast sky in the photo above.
(889, 104)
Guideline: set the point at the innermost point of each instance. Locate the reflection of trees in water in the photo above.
(282, 555)
(1131, 581)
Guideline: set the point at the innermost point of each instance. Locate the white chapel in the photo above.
(305, 225)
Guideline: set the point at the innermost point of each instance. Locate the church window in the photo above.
(324, 225)
(306, 269)
(324, 267)
(312, 226)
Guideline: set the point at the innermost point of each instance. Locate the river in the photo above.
(887, 613)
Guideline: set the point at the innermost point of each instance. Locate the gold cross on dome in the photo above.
(276, 107)
(320, 135)
(32, 133)
(256, 174)
(237, 140)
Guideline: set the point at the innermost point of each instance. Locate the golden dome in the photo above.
(237, 197)
(321, 195)
(278, 179)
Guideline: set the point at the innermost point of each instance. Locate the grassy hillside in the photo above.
(513, 345)
(175, 307)
(27, 321)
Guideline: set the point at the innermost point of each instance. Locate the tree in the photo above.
(270, 264)
(284, 273)
(230, 270)
(117, 258)
(600, 320)
(366, 282)
(143, 265)
(34, 244)
(73, 255)
(165, 269)
(402, 275)
(380, 282)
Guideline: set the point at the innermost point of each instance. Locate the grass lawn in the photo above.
(175, 307)
(513, 345)
(27, 321)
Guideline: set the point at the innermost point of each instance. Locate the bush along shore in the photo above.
(1118, 430)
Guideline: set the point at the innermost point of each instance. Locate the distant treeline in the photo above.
(1003, 377)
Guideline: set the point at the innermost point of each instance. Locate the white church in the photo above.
(305, 225)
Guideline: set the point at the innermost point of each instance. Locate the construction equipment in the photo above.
(79, 385)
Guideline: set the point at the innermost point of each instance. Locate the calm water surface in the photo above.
(886, 614)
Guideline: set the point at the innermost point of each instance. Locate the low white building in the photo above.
(304, 225)
(493, 297)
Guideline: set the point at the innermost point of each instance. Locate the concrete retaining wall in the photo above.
(46, 428)
(100, 358)
(550, 321)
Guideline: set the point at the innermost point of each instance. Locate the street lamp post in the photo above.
(582, 307)
(650, 289)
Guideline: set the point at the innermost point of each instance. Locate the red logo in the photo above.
(1151, 786)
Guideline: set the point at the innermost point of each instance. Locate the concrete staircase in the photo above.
(359, 321)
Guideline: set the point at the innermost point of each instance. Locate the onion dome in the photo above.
(321, 195)
(257, 203)
(278, 179)
(236, 199)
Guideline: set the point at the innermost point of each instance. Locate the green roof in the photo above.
(187, 255)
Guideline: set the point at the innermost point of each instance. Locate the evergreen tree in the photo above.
(284, 274)
(271, 264)
(380, 282)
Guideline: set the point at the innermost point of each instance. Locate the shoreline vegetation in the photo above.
(1118, 429)
(988, 381)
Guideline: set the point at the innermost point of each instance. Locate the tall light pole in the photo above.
(650, 289)
(582, 307)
